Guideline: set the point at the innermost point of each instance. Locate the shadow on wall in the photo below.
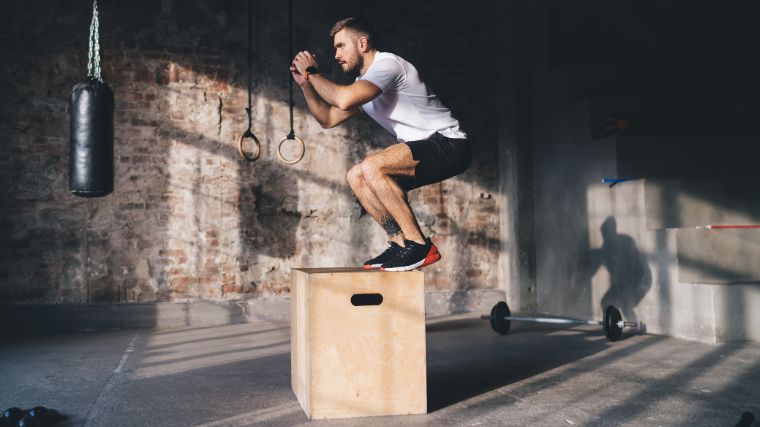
(630, 275)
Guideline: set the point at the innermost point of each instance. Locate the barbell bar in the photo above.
(613, 323)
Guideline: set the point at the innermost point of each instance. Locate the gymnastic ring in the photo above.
(250, 158)
(283, 159)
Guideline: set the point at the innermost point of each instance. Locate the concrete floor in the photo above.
(240, 375)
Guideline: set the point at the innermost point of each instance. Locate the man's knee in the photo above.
(371, 166)
(354, 176)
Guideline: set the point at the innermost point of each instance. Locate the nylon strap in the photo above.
(249, 110)
(292, 134)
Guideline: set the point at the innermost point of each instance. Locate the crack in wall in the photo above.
(219, 123)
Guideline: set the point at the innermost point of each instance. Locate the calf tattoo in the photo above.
(390, 225)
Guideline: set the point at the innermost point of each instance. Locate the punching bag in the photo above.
(91, 171)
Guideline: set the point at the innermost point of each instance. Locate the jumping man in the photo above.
(431, 146)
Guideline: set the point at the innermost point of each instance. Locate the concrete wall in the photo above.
(598, 244)
(517, 257)
(189, 221)
(642, 270)
(594, 244)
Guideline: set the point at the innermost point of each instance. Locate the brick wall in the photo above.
(188, 219)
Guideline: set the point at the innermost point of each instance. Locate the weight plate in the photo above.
(493, 317)
(498, 322)
(612, 316)
(605, 322)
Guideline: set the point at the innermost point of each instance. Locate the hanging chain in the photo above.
(93, 61)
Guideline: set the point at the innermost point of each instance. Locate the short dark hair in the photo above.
(358, 25)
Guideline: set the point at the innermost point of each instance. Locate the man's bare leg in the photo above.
(377, 170)
(372, 204)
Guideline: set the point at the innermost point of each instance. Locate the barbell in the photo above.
(501, 319)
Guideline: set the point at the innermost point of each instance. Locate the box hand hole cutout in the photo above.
(366, 299)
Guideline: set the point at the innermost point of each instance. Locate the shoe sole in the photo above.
(433, 256)
(372, 266)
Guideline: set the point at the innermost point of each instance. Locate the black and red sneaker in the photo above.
(412, 256)
(388, 255)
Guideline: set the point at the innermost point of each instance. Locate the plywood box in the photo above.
(358, 342)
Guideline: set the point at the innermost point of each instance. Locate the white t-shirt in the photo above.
(406, 107)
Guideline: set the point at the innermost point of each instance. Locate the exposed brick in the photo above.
(187, 213)
(226, 289)
(172, 252)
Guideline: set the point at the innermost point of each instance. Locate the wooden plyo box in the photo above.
(358, 342)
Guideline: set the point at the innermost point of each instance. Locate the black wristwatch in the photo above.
(311, 70)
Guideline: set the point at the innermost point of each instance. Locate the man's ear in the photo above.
(363, 44)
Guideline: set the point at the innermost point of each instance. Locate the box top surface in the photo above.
(314, 270)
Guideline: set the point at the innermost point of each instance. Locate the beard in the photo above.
(352, 69)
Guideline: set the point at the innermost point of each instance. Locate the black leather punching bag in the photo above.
(91, 171)
(91, 145)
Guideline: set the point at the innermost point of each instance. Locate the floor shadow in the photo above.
(494, 361)
(661, 388)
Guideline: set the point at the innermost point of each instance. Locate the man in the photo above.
(431, 146)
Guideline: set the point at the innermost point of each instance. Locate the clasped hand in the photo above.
(301, 62)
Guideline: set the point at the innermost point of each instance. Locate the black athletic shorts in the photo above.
(439, 158)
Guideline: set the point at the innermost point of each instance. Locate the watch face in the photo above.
(311, 70)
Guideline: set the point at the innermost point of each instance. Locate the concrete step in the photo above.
(723, 256)
(624, 260)
(685, 157)
(694, 203)
(699, 116)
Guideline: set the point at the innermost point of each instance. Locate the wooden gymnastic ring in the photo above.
(298, 159)
(251, 158)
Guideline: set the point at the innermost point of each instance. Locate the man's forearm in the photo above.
(318, 107)
(327, 90)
